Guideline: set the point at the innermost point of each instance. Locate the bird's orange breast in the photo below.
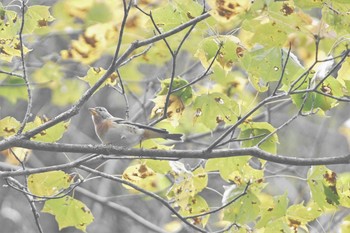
(103, 127)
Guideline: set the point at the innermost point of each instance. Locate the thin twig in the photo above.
(58, 195)
(173, 70)
(136, 55)
(150, 194)
(53, 168)
(123, 93)
(223, 206)
(126, 9)
(284, 67)
(116, 62)
(333, 69)
(341, 99)
(206, 73)
(24, 73)
(191, 138)
(30, 201)
(124, 211)
(240, 139)
(242, 119)
(11, 74)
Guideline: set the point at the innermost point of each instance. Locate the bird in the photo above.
(120, 132)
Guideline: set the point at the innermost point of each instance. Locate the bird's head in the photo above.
(100, 113)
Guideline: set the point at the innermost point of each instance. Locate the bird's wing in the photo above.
(141, 126)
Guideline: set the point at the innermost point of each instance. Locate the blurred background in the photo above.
(312, 137)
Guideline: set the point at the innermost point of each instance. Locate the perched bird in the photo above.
(119, 132)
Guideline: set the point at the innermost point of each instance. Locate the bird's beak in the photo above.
(93, 111)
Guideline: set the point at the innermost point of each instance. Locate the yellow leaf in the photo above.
(78, 8)
(187, 184)
(174, 111)
(69, 212)
(196, 205)
(226, 10)
(145, 178)
(94, 74)
(49, 183)
(36, 17)
(8, 126)
(92, 43)
(51, 134)
(15, 155)
(173, 226)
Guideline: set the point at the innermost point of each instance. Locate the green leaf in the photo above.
(343, 76)
(175, 13)
(9, 27)
(189, 9)
(170, 16)
(49, 75)
(215, 108)
(322, 183)
(244, 210)
(64, 91)
(345, 224)
(196, 205)
(9, 126)
(303, 214)
(331, 194)
(70, 92)
(160, 166)
(230, 51)
(52, 134)
(273, 211)
(131, 74)
(309, 4)
(253, 132)
(235, 169)
(13, 89)
(200, 179)
(36, 17)
(265, 66)
(48, 183)
(69, 212)
(337, 16)
(185, 94)
(187, 184)
(278, 225)
(343, 188)
(100, 12)
(313, 101)
(274, 22)
(167, 17)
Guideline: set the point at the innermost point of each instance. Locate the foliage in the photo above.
(233, 62)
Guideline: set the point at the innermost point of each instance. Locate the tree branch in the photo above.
(139, 153)
(126, 212)
(115, 64)
(150, 194)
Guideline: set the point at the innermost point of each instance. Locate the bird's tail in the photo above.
(150, 133)
(174, 136)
